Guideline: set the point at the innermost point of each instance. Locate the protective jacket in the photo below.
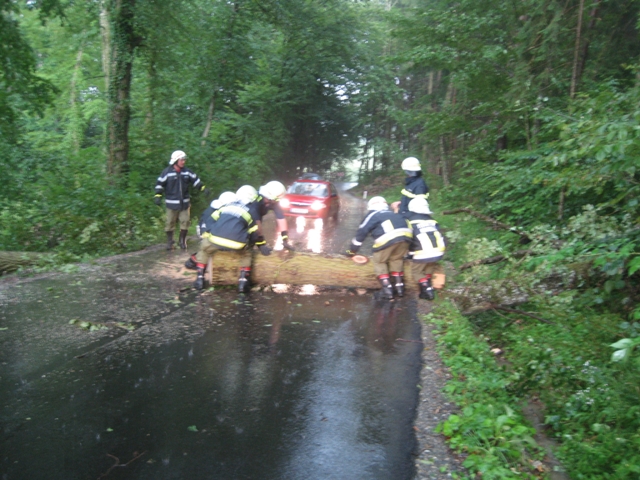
(413, 187)
(428, 243)
(202, 223)
(231, 227)
(259, 209)
(175, 186)
(385, 227)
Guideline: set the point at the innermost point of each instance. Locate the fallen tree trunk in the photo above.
(300, 268)
(500, 294)
(12, 261)
(524, 237)
(495, 259)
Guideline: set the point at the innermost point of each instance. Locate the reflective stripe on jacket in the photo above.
(428, 243)
(385, 227)
(230, 227)
(175, 187)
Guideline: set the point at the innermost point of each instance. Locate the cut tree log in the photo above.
(12, 261)
(300, 268)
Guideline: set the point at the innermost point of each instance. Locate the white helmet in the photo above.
(411, 164)
(227, 197)
(246, 194)
(377, 203)
(177, 155)
(273, 190)
(419, 205)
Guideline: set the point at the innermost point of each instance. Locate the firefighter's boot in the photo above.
(191, 263)
(243, 281)
(426, 289)
(183, 239)
(398, 278)
(387, 290)
(170, 240)
(199, 283)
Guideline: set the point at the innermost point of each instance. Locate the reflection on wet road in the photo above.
(291, 384)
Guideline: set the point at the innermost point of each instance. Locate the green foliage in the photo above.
(492, 433)
(75, 210)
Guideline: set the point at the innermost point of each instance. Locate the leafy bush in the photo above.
(495, 437)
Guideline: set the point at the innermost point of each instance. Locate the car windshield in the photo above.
(308, 188)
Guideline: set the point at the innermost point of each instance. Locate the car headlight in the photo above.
(317, 205)
(285, 203)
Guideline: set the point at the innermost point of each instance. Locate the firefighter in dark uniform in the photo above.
(414, 185)
(230, 228)
(266, 199)
(225, 198)
(174, 182)
(427, 248)
(392, 235)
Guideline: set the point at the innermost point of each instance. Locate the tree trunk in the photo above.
(300, 268)
(105, 36)
(576, 53)
(207, 127)
(585, 47)
(444, 161)
(123, 44)
(11, 261)
(75, 130)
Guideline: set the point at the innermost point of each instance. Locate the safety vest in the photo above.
(230, 227)
(385, 227)
(428, 243)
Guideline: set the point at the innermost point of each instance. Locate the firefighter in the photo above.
(427, 248)
(174, 182)
(392, 235)
(225, 198)
(230, 228)
(414, 185)
(267, 198)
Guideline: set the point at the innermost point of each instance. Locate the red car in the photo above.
(311, 199)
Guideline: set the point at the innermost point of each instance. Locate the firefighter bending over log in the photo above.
(392, 234)
(233, 228)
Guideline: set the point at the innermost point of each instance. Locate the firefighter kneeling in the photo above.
(230, 228)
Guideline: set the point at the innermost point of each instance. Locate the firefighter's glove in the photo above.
(352, 250)
(206, 191)
(158, 200)
(285, 241)
(262, 245)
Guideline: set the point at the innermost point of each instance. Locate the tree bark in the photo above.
(576, 53)
(75, 131)
(585, 47)
(300, 268)
(123, 44)
(105, 36)
(207, 127)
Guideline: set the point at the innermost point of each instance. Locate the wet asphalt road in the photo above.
(168, 383)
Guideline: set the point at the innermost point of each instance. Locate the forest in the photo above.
(525, 112)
